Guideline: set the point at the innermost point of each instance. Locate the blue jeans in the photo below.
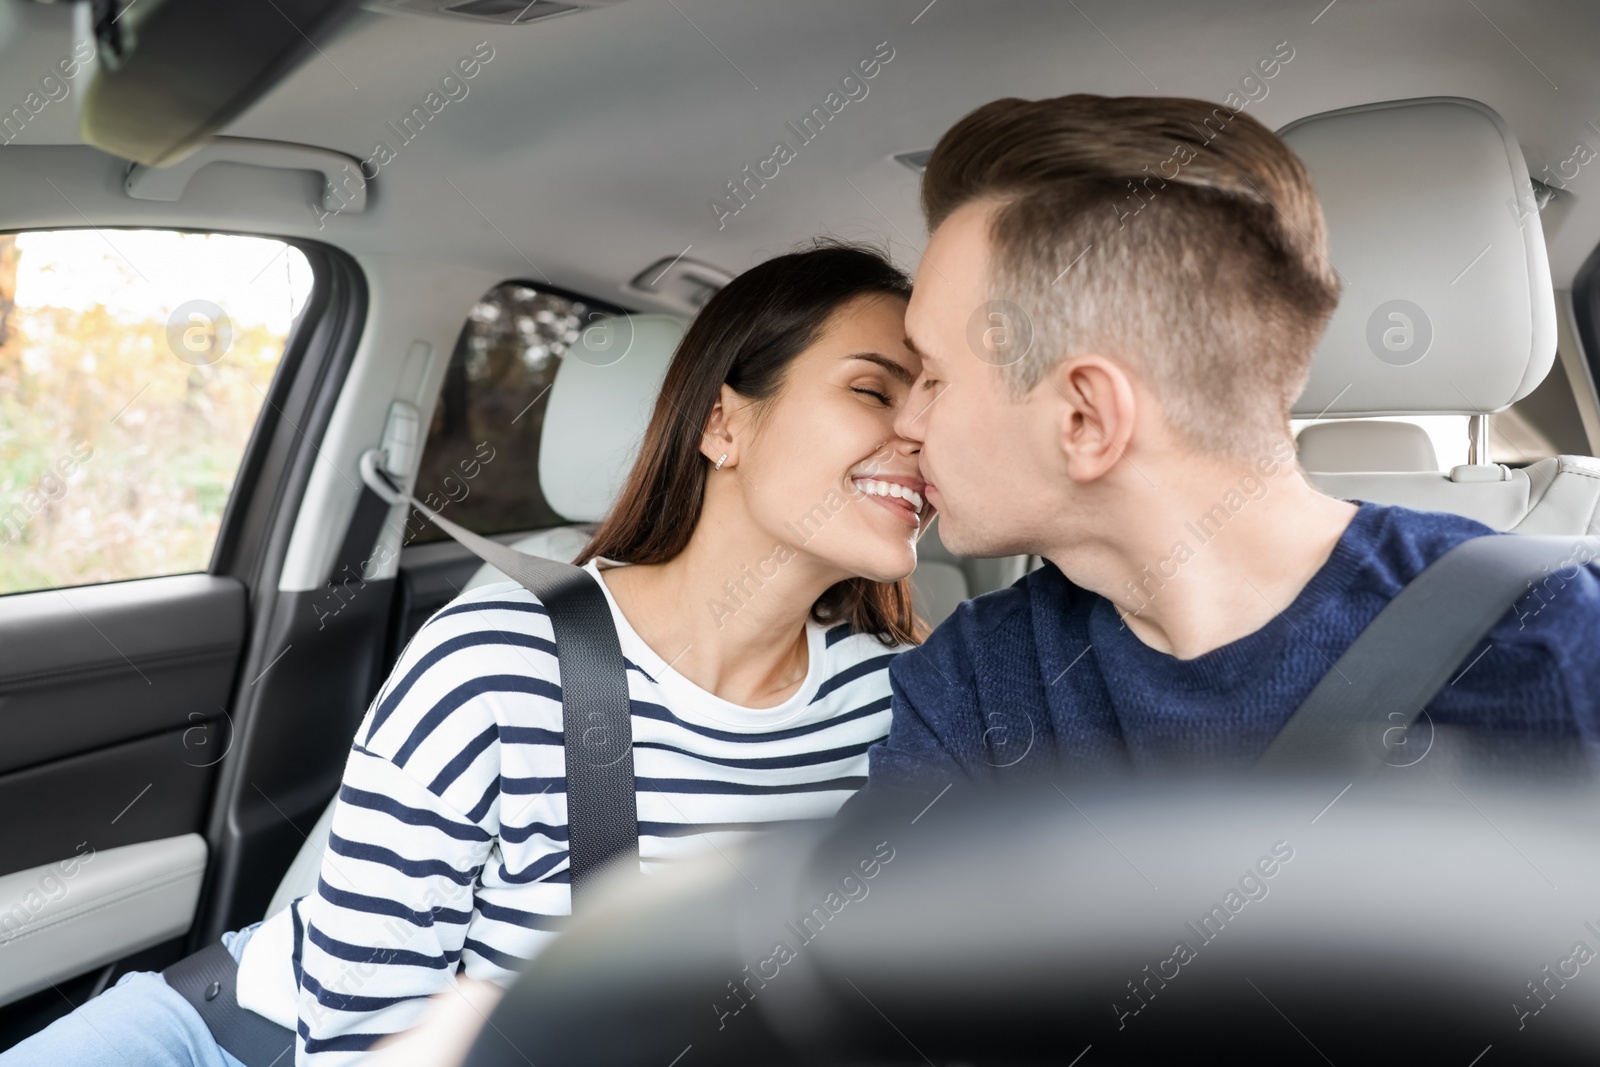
(138, 1022)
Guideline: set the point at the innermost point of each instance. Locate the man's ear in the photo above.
(1097, 422)
(720, 435)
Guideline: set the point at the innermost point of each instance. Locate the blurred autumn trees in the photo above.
(492, 404)
(116, 456)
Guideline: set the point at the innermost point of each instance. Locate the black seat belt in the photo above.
(597, 726)
(597, 737)
(1417, 642)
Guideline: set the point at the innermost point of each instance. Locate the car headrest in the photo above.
(1366, 445)
(1447, 305)
(599, 407)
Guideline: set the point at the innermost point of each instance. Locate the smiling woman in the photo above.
(782, 394)
(803, 367)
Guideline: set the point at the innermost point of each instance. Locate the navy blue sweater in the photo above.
(1043, 677)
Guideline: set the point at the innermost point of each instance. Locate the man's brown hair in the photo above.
(1177, 236)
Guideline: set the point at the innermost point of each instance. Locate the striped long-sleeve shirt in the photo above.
(448, 846)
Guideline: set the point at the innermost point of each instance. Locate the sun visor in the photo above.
(168, 74)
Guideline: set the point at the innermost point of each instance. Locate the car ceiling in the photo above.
(592, 144)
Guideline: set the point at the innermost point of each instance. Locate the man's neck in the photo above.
(1208, 557)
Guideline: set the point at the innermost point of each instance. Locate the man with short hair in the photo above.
(1116, 309)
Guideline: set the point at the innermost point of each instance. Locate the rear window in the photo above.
(480, 465)
(1542, 424)
(1447, 432)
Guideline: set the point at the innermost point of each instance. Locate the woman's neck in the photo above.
(728, 613)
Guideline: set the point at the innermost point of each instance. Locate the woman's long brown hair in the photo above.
(745, 337)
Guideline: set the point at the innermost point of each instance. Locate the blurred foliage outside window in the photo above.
(133, 365)
(480, 465)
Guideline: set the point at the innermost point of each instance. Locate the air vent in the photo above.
(501, 12)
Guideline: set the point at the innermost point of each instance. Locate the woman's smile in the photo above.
(900, 495)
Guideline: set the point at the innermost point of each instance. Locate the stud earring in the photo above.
(720, 462)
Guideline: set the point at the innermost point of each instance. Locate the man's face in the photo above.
(993, 466)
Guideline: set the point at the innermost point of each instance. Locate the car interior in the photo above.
(244, 254)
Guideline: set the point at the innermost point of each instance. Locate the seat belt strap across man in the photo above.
(1415, 646)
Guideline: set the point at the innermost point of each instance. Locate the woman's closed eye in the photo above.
(882, 397)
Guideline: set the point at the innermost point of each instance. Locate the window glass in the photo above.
(480, 465)
(133, 364)
(1545, 423)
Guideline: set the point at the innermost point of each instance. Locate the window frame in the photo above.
(253, 542)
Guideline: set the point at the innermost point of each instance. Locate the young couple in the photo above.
(1153, 373)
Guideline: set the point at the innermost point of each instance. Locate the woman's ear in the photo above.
(1097, 421)
(718, 441)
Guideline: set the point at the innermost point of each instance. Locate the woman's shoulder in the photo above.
(494, 627)
(498, 604)
(503, 605)
(500, 628)
(487, 645)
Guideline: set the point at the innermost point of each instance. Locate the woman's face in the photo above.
(820, 466)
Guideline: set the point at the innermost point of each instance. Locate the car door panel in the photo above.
(126, 706)
(121, 661)
(142, 790)
(93, 906)
(303, 712)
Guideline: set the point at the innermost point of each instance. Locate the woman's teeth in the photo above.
(873, 487)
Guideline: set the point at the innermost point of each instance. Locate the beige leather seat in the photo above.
(599, 406)
(1447, 310)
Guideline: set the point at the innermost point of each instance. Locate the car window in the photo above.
(133, 364)
(1543, 424)
(480, 465)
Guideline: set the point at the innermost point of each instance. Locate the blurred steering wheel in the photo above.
(1411, 920)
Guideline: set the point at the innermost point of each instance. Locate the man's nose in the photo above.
(910, 424)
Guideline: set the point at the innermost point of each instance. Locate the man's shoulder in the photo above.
(1399, 543)
(1406, 541)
